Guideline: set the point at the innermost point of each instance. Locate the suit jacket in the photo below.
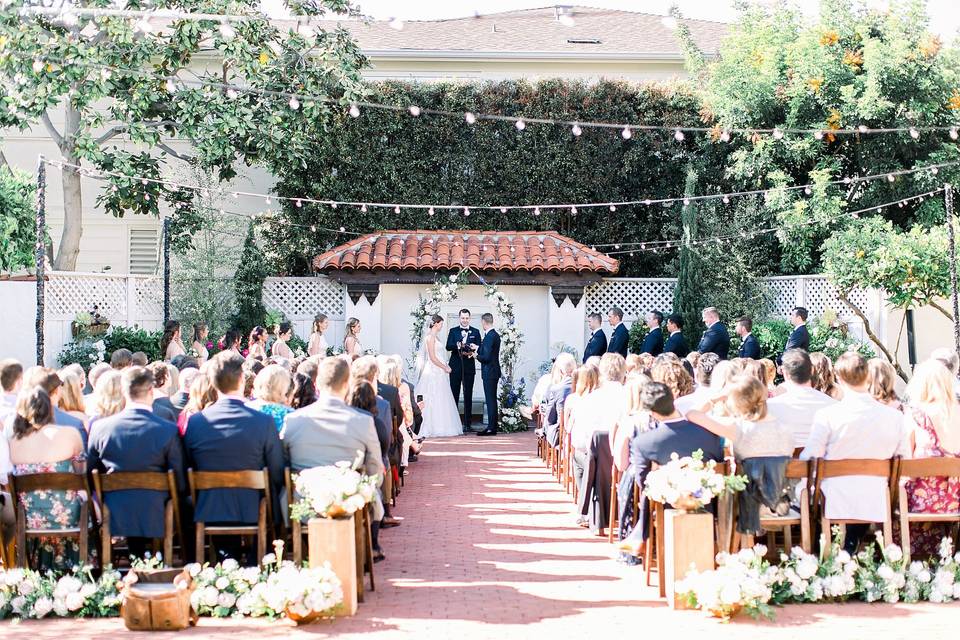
(750, 347)
(653, 342)
(678, 436)
(392, 395)
(329, 431)
(417, 411)
(553, 403)
(715, 340)
(453, 337)
(136, 440)
(799, 339)
(596, 346)
(230, 436)
(619, 340)
(384, 426)
(164, 408)
(677, 344)
(489, 356)
(64, 419)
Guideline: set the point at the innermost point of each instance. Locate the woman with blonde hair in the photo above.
(271, 393)
(823, 379)
(586, 379)
(351, 339)
(202, 395)
(108, 396)
(933, 422)
(634, 419)
(881, 378)
(770, 369)
(71, 396)
(672, 373)
(389, 372)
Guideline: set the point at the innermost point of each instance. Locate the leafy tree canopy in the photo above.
(17, 233)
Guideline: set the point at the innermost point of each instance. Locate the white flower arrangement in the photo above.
(689, 482)
(29, 594)
(333, 491)
(740, 581)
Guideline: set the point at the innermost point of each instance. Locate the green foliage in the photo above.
(638, 331)
(135, 339)
(771, 334)
(83, 351)
(688, 297)
(248, 285)
(17, 215)
(831, 337)
(382, 156)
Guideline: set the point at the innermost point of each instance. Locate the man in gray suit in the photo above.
(329, 431)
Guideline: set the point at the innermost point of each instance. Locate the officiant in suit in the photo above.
(597, 344)
(461, 341)
(620, 337)
(715, 339)
(489, 356)
(653, 342)
(750, 347)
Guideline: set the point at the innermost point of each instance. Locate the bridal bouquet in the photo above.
(689, 482)
(332, 492)
(741, 581)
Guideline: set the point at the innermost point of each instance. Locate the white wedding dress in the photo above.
(440, 415)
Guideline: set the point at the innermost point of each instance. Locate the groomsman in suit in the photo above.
(620, 336)
(489, 356)
(800, 337)
(597, 344)
(676, 343)
(750, 347)
(715, 339)
(460, 343)
(653, 342)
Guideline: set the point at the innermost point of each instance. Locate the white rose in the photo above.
(210, 596)
(230, 564)
(60, 608)
(885, 572)
(894, 553)
(924, 576)
(194, 569)
(208, 575)
(226, 600)
(222, 583)
(74, 601)
(42, 607)
(26, 587)
(269, 559)
(730, 594)
(807, 567)
(17, 604)
(88, 590)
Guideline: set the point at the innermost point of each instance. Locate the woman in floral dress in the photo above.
(39, 446)
(933, 419)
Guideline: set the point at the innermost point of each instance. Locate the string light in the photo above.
(953, 133)
(626, 133)
(414, 110)
(576, 130)
(354, 111)
(470, 117)
(520, 124)
(294, 103)
(724, 136)
(914, 133)
(777, 134)
(678, 135)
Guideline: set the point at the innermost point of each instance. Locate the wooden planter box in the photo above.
(334, 540)
(96, 329)
(688, 544)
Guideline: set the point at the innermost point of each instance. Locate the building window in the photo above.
(144, 250)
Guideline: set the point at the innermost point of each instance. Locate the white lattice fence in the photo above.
(302, 298)
(783, 292)
(635, 296)
(71, 293)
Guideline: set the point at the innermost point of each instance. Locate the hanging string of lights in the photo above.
(468, 209)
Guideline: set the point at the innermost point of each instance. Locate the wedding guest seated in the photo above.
(363, 397)
(770, 367)
(703, 374)
(390, 374)
(882, 381)
(139, 359)
(272, 389)
(11, 377)
(202, 395)
(89, 398)
(51, 383)
(646, 362)
(823, 378)
(798, 402)
(951, 360)
(182, 396)
(161, 403)
(304, 391)
(364, 368)
(933, 425)
(417, 411)
(583, 382)
(137, 439)
(108, 397)
(855, 427)
(121, 359)
(555, 397)
(635, 419)
(230, 436)
(633, 363)
(71, 396)
(670, 372)
(543, 385)
(40, 446)
(673, 435)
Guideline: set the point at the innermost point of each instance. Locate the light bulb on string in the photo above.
(724, 136)
(686, 202)
(470, 117)
(313, 228)
(777, 134)
(396, 209)
(333, 205)
(726, 199)
(466, 212)
(520, 124)
(613, 207)
(818, 135)
(576, 130)
(294, 103)
(299, 203)
(914, 133)
(891, 177)
(363, 208)
(647, 202)
(807, 190)
(678, 135)
(414, 110)
(430, 211)
(536, 211)
(503, 209)
(934, 170)
(573, 210)
(862, 128)
(953, 133)
(342, 229)
(232, 93)
(354, 111)
(626, 134)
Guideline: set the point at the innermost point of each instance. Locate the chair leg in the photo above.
(297, 536)
(201, 538)
(359, 552)
(167, 535)
(661, 573)
(367, 525)
(262, 532)
(787, 538)
(84, 533)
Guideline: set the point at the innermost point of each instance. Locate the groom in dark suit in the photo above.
(597, 344)
(489, 356)
(620, 336)
(460, 343)
(653, 342)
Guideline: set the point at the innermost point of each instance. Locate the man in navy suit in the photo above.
(463, 371)
(715, 339)
(620, 336)
(750, 347)
(676, 343)
(653, 342)
(597, 344)
(136, 439)
(489, 356)
(230, 436)
(800, 337)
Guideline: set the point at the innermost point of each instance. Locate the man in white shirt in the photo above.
(11, 376)
(702, 374)
(856, 427)
(798, 404)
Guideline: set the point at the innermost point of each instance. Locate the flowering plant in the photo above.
(332, 491)
(881, 579)
(690, 481)
(511, 397)
(740, 581)
(29, 594)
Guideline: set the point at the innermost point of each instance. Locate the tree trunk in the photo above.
(69, 247)
(870, 334)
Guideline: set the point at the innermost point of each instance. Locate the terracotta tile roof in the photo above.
(595, 31)
(529, 251)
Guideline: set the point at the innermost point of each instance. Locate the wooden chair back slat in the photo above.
(797, 469)
(245, 479)
(862, 467)
(63, 481)
(930, 467)
(126, 480)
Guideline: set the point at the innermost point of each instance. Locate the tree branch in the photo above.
(52, 130)
(3, 160)
(870, 334)
(113, 131)
(176, 154)
(941, 310)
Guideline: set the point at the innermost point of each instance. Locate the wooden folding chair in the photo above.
(826, 469)
(615, 476)
(7, 547)
(796, 470)
(152, 480)
(246, 479)
(50, 482)
(923, 468)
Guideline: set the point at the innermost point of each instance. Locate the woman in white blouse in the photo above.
(351, 342)
(317, 346)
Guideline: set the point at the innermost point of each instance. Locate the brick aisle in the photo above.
(488, 549)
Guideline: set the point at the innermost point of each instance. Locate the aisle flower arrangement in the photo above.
(334, 491)
(746, 581)
(690, 483)
(29, 594)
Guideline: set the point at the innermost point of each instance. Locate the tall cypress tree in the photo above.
(248, 285)
(688, 298)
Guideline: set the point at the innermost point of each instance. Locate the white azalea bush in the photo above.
(741, 581)
(690, 479)
(332, 492)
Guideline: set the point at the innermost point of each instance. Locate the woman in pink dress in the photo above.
(933, 421)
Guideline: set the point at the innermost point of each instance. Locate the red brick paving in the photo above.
(488, 549)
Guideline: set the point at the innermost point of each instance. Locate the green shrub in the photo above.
(135, 339)
(638, 331)
(827, 335)
(84, 351)
(771, 334)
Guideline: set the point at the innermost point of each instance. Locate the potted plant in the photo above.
(89, 324)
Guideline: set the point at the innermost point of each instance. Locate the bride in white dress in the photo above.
(440, 415)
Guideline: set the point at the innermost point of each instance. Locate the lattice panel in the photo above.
(634, 296)
(68, 295)
(820, 296)
(304, 297)
(784, 294)
(148, 293)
